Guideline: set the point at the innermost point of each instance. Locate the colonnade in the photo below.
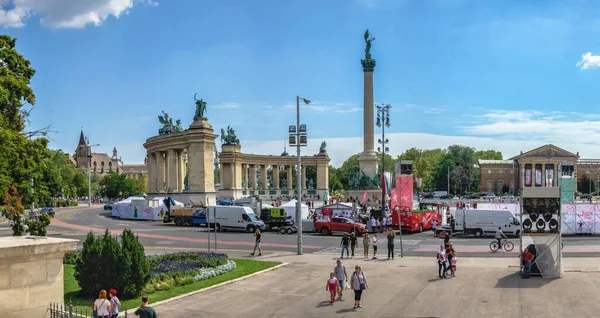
(541, 174)
(167, 170)
(250, 172)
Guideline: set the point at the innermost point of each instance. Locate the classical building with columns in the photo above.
(181, 165)
(540, 167)
(248, 174)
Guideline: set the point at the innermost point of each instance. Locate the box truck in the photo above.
(233, 218)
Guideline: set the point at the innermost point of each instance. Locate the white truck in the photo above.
(233, 218)
(483, 223)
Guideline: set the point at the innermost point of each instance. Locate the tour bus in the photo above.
(234, 218)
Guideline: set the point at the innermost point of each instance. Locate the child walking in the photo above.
(331, 286)
(453, 264)
(366, 243)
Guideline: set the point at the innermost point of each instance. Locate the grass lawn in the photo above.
(244, 267)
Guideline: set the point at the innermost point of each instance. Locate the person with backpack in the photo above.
(358, 283)
(145, 311)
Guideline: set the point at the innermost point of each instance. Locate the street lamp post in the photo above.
(297, 137)
(89, 173)
(383, 120)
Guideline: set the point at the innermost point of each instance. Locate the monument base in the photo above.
(190, 197)
(368, 163)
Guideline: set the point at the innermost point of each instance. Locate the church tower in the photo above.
(82, 153)
(115, 156)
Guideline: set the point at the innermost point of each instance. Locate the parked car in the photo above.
(427, 196)
(49, 211)
(339, 224)
(108, 205)
(446, 196)
(471, 196)
(489, 196)
(585, 196)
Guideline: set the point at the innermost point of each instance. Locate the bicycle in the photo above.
(506, 244)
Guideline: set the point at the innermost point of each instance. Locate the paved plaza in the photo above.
(408, 287)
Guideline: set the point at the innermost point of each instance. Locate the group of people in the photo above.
(338, 280)
(109, 307)
(446, 258)
(380, 224)
(349, 242)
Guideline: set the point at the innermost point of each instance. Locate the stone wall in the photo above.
(31, 274)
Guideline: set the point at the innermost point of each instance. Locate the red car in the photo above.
(339, 224)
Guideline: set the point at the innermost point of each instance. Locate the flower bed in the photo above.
(207, 273)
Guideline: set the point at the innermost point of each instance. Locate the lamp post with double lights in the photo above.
(89, 173)
(383, 120)
(297, 137)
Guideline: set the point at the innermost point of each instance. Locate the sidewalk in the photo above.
(408, 287)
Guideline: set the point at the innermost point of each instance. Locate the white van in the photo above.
(486, 222)
(235, 218)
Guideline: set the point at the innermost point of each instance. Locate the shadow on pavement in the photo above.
(324, 303)
(515, 281)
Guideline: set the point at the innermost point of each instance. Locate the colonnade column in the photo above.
(263, 177)
(276, 177)
(544, 175)
(181, 170)
(172, 171)
(252, 184)
(160, 172)
(303, 177)
(522, 173)
(290, 178)
(151, 172)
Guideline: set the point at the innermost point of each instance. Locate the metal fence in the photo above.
(57, 310)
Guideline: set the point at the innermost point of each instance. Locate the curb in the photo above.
(166, 301)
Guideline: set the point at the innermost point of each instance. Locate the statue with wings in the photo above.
(368, 40)
(167, 123)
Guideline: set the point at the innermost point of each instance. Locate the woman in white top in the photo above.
(358, 283)
(102, 305)
(375, 241)
(441, 258)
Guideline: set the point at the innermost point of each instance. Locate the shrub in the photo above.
(73, 203)
(104, 263)
(71, 257)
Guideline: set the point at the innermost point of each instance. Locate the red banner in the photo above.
(364, 198)
(404, 192)
(528, 177)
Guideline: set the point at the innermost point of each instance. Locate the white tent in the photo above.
(290, 209)
(160, 201)
(128, 200)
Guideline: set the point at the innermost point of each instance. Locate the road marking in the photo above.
(164, 242)
(60, 223)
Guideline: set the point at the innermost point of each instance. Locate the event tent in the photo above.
(290, 209)
(128, 200)
(160, 202)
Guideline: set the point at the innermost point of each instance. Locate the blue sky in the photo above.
(509, 75)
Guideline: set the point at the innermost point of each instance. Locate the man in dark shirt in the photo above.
(352, 243)
(344, 245)
(145, 311)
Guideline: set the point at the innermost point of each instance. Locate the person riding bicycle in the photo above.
(499, 236)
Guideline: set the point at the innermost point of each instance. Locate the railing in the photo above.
(56, 310)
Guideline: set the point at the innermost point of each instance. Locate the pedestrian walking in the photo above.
(373, 224)
(388, 222)
(434, 225)
(114, 303)
(449, 253)
(342, 277)
(390, 236)
(102, 305)
(366, 243)
(353, 241)
(331, 286)
(375, 241)
(453, 264)
(358, 283)
(344, 245)
(145, 311)
(441, 259)
(257, 243)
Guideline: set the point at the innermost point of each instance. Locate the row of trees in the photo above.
(432, 165)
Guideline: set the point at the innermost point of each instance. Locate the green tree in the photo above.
(350, 165)
(117, 185)
(334, 182)
(136, 267)
(586, 185)
(488, 155)
(142, 184)
(88, 270)
(424, 163)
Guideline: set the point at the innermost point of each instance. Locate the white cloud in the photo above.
(323, 107)
(64, 13)
(588, 61)
(229, 105)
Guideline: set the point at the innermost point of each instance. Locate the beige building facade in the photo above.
(540, 167)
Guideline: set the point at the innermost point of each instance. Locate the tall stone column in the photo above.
(290, 178)
(368, 158)
(263, 177)
(323, 176)
(303, 177)
(160, 172)
(253, 184)
(544, 175)
(151, 172)
(276, 177)
(172, 171)
(181, 170)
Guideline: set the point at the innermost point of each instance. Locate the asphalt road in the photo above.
(160, 237)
